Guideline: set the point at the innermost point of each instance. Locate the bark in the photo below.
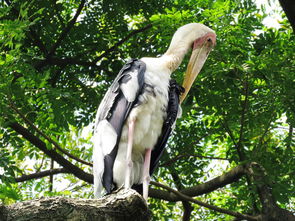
(122, 205)
(289, 8)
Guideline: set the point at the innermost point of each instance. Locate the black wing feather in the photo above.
(115, 109)
(172, 109)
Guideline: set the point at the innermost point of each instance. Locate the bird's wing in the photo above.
(111, 115)
(172, 113)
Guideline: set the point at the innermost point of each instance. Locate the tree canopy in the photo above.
(58, 58)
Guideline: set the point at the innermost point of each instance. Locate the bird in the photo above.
(139, 110)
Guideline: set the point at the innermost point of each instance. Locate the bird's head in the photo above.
(201, 39)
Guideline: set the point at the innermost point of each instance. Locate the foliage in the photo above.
(56, 63)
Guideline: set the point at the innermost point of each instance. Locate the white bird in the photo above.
(136, 116)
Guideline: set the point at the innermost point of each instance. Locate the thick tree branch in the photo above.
(271, 211)
(229, 177)
(121, 205)
(289, 8)
(79, 173)
(41, 174)
(215, 208)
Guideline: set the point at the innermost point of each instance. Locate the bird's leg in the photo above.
(129, 154)
(146, 173)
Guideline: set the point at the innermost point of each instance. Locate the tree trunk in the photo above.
(121, 205)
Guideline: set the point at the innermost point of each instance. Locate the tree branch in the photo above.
(51, 153)
(215, 208)
(37, 41)
(228, 130)
(51, 60)
(66, 61)
(242, 122)
(67, 29)
(51, 176)
(231, 176)
(41, 174)
(113, 48)
(289, 8)
(62, 36)
(14, 108)
(171, 161)
(290, 136)
(270, 209)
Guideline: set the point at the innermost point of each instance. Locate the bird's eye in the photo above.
(209, 39)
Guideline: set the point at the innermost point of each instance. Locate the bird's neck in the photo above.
(174, 56)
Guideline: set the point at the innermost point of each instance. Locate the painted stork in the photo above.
(136, 116)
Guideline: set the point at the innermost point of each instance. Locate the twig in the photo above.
(111, 49)
(62, 36)
(41, 174)
(242, 122)
(36, 40)
(67, 60)
(228, 130)
(67, 29)
(41, 164)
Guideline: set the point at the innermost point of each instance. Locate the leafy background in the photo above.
(57, 59)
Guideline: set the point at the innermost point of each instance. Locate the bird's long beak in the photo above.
(201, 50)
